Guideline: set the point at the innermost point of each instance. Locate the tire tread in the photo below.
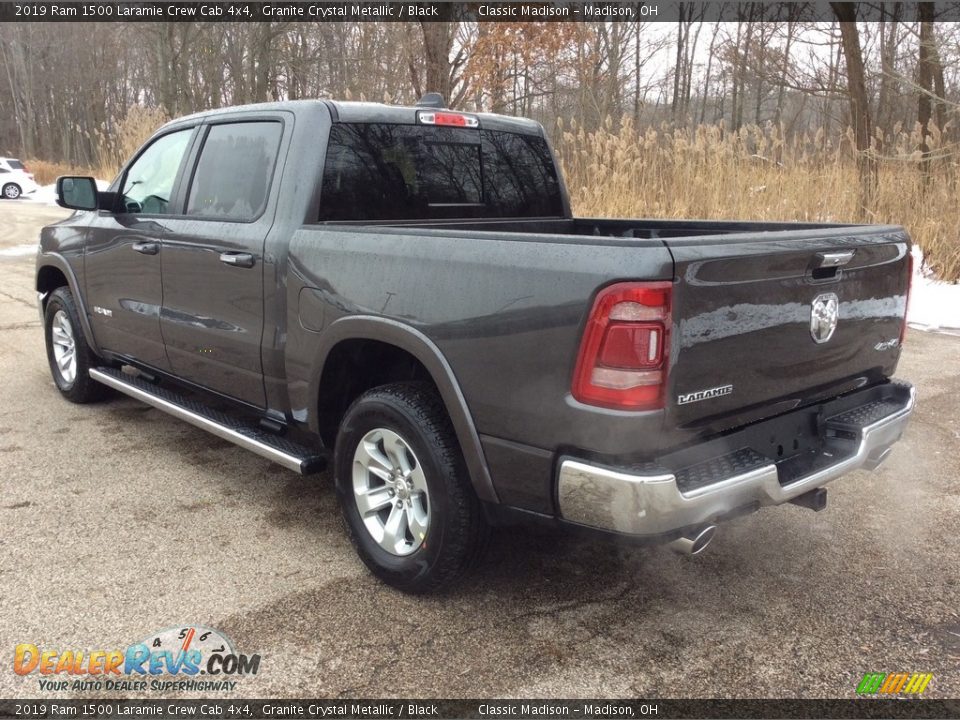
(84, 389)
(467, 531)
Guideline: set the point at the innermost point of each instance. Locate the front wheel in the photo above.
(69, 355)
(11, 191)
(404, 490)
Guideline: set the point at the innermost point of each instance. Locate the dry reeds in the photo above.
(756, 174)
(116, 142)
(707, 172)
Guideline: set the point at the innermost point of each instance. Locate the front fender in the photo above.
(405, 337)
(59, 262)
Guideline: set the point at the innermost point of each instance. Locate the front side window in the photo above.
(232, 180)
(380, 172)
(149, 181)
(15, 164)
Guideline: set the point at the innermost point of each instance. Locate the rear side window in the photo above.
(379, 172)
(232, 180)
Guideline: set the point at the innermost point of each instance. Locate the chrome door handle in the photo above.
(147, 248)
(834, 259)
(244, 260)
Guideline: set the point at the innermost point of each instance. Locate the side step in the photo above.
(291, 455)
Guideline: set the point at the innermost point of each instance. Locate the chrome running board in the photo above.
(280, 450)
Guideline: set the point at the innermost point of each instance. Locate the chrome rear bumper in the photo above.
(654, 504)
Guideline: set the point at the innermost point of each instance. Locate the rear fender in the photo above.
(362, 327)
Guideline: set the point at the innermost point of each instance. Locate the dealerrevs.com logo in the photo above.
(169, 660)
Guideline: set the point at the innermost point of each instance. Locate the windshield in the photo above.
(381, 172)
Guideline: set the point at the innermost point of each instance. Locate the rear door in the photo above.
(212, 317)
(122, 260)
(769, 321)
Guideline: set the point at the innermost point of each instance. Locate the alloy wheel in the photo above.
(64, 346)
(390, 490)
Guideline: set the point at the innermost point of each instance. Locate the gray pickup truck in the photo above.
(404, 291)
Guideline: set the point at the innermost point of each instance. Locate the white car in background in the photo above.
(15, 180)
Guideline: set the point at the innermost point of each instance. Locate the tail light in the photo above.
(906, 305)
(624, 354)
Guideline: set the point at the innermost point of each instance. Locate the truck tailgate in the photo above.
(752, 318)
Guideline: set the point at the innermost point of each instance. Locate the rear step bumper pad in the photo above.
(654, 504)
(291, 455)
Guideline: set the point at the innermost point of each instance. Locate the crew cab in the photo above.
(404, 295)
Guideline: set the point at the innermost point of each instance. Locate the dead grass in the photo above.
(115, 145)
(755, 174)
(46, 172)
(706, 173)
(126, 135)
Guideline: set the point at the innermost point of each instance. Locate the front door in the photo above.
(122, 261)
(212, 317)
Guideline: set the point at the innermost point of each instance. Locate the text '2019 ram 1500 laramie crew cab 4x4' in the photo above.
(405, 291)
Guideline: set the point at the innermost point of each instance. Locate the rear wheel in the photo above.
(404, 490)
(11, 191)
(69, 355)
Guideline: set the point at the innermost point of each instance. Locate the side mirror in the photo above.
(77, 193)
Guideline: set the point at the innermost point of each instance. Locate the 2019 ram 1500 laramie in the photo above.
(405, 291)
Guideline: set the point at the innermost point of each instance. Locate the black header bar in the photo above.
(387, 11)
(381, 709)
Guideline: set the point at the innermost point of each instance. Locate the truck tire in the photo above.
(404, 490)
(11, 191)
(69, 355)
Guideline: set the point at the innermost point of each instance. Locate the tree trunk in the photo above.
(437, 43)
(846, 13)
(678, 66)
(925, 82)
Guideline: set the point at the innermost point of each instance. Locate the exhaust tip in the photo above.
(695, 543)
(877, 459)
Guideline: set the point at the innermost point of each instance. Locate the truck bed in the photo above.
(608, 227)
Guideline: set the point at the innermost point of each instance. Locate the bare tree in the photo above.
(846, 13)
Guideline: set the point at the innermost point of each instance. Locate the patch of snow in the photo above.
(47, 194)
(934, 305)
(19, 250)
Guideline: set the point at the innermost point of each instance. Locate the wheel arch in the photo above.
(54, 271)
(14, 183)
(398, 338)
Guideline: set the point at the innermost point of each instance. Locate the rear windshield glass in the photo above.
(15, 164)
(379, 172)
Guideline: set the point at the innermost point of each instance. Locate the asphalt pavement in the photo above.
(118, 521)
